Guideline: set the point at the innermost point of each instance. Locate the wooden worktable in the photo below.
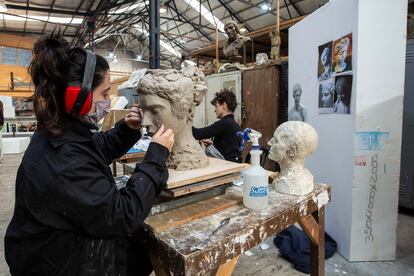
(127, 158)
(174, 249)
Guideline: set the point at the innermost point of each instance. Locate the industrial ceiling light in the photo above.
(111, 54)
(139, 57)
(163, 8)
(182, 40)
(242, 29)
(267, 5)
(3, 7)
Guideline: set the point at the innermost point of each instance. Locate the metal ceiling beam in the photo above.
(48, 15)
(235, 15)
(93, 17)
(45, 10)
(189, 22)
(76, 39)
(19, 32)
(296, 7)
(290, 15)
(77, 9)
(238, 12)
(25, 22)
(154, 31)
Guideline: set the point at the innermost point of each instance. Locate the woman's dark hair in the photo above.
(226, 96)
(53, 66)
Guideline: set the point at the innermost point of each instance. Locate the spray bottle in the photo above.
(255, 179)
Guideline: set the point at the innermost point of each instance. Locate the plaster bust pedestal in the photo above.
(292, 143)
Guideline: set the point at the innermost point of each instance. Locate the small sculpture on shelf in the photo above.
(235, 41)
(292, 143)
(275, 45)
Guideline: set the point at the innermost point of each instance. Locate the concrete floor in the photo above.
(262, 262)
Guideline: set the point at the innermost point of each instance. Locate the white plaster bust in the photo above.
(292, 143)
(169, 97)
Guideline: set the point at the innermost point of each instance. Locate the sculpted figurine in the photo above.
(169, 97)
(234, 43)
(275, 46)
(292, 143)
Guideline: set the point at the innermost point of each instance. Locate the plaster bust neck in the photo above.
(296, 173)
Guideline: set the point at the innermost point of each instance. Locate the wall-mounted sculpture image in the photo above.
(342, 54)
(325, 61)
(343, 93)
(169, 97)
(326, 96)
(297, 112)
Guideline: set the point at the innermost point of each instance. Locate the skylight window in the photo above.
(51, 19)
(163, 44)
(206, 14)
(129, 8)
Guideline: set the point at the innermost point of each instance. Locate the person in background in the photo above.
(224, 131)
(69, 217)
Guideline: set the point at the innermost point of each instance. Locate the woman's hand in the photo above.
(164, 137)
(134, 118)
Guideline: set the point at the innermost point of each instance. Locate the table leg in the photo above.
(314, 227)
(227, 268)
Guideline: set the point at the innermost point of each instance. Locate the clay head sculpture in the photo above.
(292, 143)
(232, 30)
(169, 97)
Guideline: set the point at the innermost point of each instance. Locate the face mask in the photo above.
(102, 108)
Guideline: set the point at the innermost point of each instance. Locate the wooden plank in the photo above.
(177, 217)
(165, 203)
(226, 269)
(112, 117)
(203, 185)
(217, 167)
(17, 41)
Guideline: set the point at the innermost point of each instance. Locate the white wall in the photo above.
(380, 90)
(377, 28)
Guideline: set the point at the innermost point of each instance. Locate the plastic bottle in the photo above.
(255, 179)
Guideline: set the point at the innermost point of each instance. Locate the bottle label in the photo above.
(258, 191)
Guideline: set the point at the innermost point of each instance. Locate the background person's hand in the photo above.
(134, 118)
(207, 142)
(164, 137)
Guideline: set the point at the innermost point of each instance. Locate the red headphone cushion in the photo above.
(71, 95)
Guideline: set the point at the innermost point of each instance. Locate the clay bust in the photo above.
(235, 41)
(169, 97)
(292, 143)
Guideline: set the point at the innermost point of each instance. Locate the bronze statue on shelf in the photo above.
(275, 45)
(235, 41)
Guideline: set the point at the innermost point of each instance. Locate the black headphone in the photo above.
(78, 96)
